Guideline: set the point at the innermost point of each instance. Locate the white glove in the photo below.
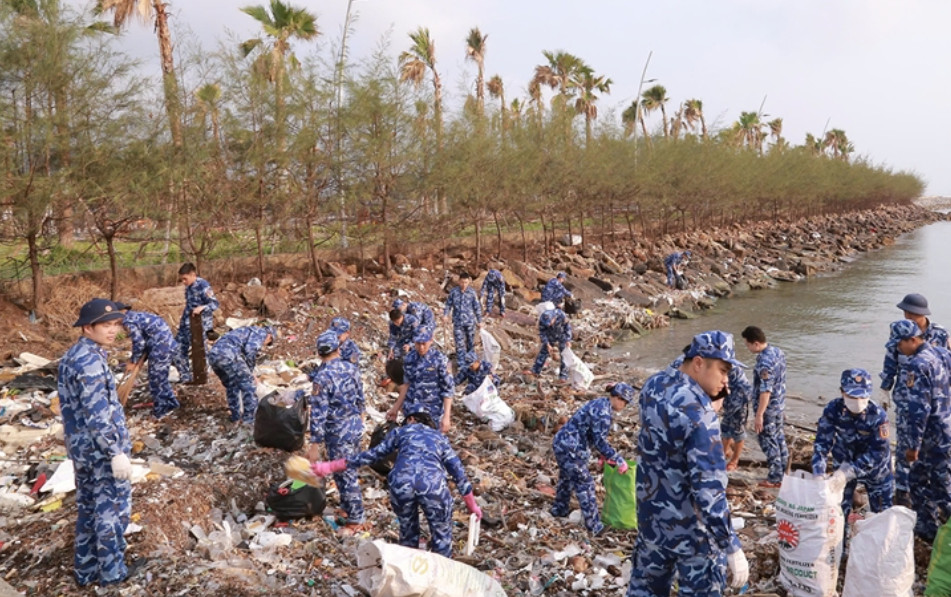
(121, 467)
(739, 568)
(884, 398)
(841, 477)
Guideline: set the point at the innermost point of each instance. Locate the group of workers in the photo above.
(693, 417)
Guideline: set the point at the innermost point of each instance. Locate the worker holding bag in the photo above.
(587, 427)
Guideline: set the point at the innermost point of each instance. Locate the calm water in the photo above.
(825, 324)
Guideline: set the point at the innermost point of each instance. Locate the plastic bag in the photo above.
(809, 522)
(387, 570)
(491, 349)
(280, 426)
(939, 570)
(544, 306)
(881, 556)
(384, 465)
(486, 404)
(291, 500)
(620, 497)
(578, 373)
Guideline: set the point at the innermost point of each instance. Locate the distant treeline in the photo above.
(250, 148)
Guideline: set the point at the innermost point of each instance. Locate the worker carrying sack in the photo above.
(291, 500)
(280, 420)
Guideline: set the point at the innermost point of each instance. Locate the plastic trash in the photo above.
(486, 403)
(387, 570)
(491, 349)
(881, 555)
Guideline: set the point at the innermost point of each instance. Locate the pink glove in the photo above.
(472, 505)
(320, 468)
(622, 466)
(601, 461)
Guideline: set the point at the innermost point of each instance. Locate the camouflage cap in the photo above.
(623, 391)
(562, 275)
(469, 358)
(398, 303)
(423, 334)
(714, 345)
(856, 383)
(327, 342)
(904, 329)
(341, 325)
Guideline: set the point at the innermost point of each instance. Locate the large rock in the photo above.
(512, 280)
(253, 296)
(601, 283)
(274, 305)
(634, 298)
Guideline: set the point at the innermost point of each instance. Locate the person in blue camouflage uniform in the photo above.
(671, 262)
(769, 395)
(554, 329)
(588, 427)
(854, 431)
(152, 339)
(427, 382)
(493, 285)
(915, 308)
(733, 408)
(473, 372)
(421, 311)
(336, 419)
(97, 442)
(683, 515)
(555, 291)
(403, 328)
(232, 358)
(418, 480)
(466, 316)
(349, 351)
(923, 406)
(734, 415)
(199, 298)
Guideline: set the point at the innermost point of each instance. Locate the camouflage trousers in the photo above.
(239, 387)
(103, 506)
(542, 358)
(773, 443)
(464, 337)
(930, 487)
(880, 493)
(490, 295)
(343, 441)
(652, 575)
(574, 476)
(409, 495)
(163, 397)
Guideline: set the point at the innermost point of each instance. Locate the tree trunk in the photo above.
(478, 233)
(113, 265)
(312, 248)
(36, 271)
(260, 248)
(521, 226)
(498, 233)
(170, 83)
(581, 225)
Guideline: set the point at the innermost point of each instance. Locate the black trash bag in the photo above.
(572, 306)
(291, 500)
(681, 282)
(279, 426)
(394, 370)
(384, 465)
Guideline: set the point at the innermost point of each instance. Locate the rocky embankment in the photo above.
(198, 510)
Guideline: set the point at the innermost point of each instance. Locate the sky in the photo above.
(819, 64)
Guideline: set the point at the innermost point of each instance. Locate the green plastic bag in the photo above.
(939, 570)
(620, 497)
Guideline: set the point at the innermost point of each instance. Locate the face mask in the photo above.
(856, 405)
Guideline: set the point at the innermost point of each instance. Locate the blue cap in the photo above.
(904, 329)
(341, 325)
(914, 303)
(398, 303)
(99, 310)
(327, 342)
(562, 275)
(686, 253)
(856, 383)
(270, 329)
(423, 334)
(714, 345)
(623, 391)
(469, 358)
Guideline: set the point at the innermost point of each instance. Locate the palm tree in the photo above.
(208, 97)
(475, 51)
(586, 104)
(693, 113)
(562, 67)
(839, 144)
(281, 25)
(413, 65)
(630, 117)
(814, 144)
(497, 91)
(748, 131)
(654, 98)
(153, 11)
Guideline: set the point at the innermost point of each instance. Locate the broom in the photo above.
(129, 382)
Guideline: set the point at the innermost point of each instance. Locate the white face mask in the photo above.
(856, 405)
